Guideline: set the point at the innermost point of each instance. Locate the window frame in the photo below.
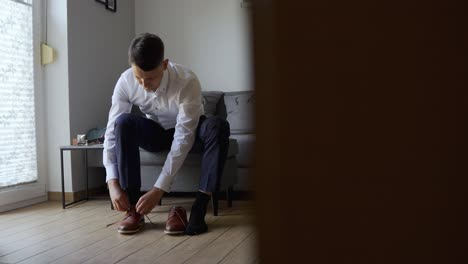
(31, 193)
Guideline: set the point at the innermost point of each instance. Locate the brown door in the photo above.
(361, 153)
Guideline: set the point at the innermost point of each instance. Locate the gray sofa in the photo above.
(237, 108)
(240, 107)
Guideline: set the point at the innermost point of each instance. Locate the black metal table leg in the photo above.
(63, 178)
(64, 204)
(80, 148)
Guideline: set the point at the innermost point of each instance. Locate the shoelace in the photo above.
(149, 219)
(174, 212)
(127, 216)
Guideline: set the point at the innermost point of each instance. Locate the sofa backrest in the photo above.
(240, 107)
(236, 107)
(213, 103)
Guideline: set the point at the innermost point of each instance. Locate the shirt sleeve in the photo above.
(190, 109)
(120, 104)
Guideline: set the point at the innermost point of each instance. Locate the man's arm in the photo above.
(190, 109)
(120, 105)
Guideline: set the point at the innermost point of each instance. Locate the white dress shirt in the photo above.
(176, 103)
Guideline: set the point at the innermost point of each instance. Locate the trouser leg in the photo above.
(131, 133)
(212, 141)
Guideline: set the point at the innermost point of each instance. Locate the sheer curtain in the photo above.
(18, 160)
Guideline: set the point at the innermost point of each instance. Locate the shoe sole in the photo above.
(130, 231)
(174, 232)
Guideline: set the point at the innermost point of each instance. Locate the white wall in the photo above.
(91, 44)
(57, 126)
(212, 37)
(97, 54)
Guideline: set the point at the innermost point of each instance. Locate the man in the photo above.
(170, 96)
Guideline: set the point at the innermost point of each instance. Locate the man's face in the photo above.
(150, 80)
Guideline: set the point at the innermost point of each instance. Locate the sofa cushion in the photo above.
(245, 143)
(240, 108)
(158, 158)
(188, 177)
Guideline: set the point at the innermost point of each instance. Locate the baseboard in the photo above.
(57, 196)
(75, 196)
(25, 203)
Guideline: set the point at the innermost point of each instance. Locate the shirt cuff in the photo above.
(111, 172)
(163, 182)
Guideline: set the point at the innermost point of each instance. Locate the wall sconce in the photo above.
(47, 54)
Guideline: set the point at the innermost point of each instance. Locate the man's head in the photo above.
(146, 55)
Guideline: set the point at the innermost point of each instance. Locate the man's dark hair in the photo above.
(146, 51)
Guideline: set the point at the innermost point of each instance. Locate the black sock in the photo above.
(197, 223)
(202, 200)
(133, 196)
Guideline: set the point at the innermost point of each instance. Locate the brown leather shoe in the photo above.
(131, 223)
(177, 221)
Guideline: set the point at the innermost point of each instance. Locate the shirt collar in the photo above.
(163, 86)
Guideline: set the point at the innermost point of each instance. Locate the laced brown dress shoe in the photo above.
(177, 221)
(132, 222)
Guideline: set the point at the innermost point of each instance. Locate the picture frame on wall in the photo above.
(101, 1)
(111, 5)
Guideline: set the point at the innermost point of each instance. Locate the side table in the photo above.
(84, 148)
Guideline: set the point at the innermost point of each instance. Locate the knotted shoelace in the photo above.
(174, 212)
(127, 216)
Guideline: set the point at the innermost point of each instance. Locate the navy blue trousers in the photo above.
(133, 132)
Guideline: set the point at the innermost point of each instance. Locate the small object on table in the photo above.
(81, 139)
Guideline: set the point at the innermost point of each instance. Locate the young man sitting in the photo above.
(170, 96)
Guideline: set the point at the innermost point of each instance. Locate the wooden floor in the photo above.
(45, 233)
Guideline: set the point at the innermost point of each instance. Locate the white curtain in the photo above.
(18, 163)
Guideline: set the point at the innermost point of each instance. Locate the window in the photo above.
(18, 161)
(22, 171)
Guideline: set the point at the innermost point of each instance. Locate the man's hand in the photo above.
(118, 196)
(147, 202)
